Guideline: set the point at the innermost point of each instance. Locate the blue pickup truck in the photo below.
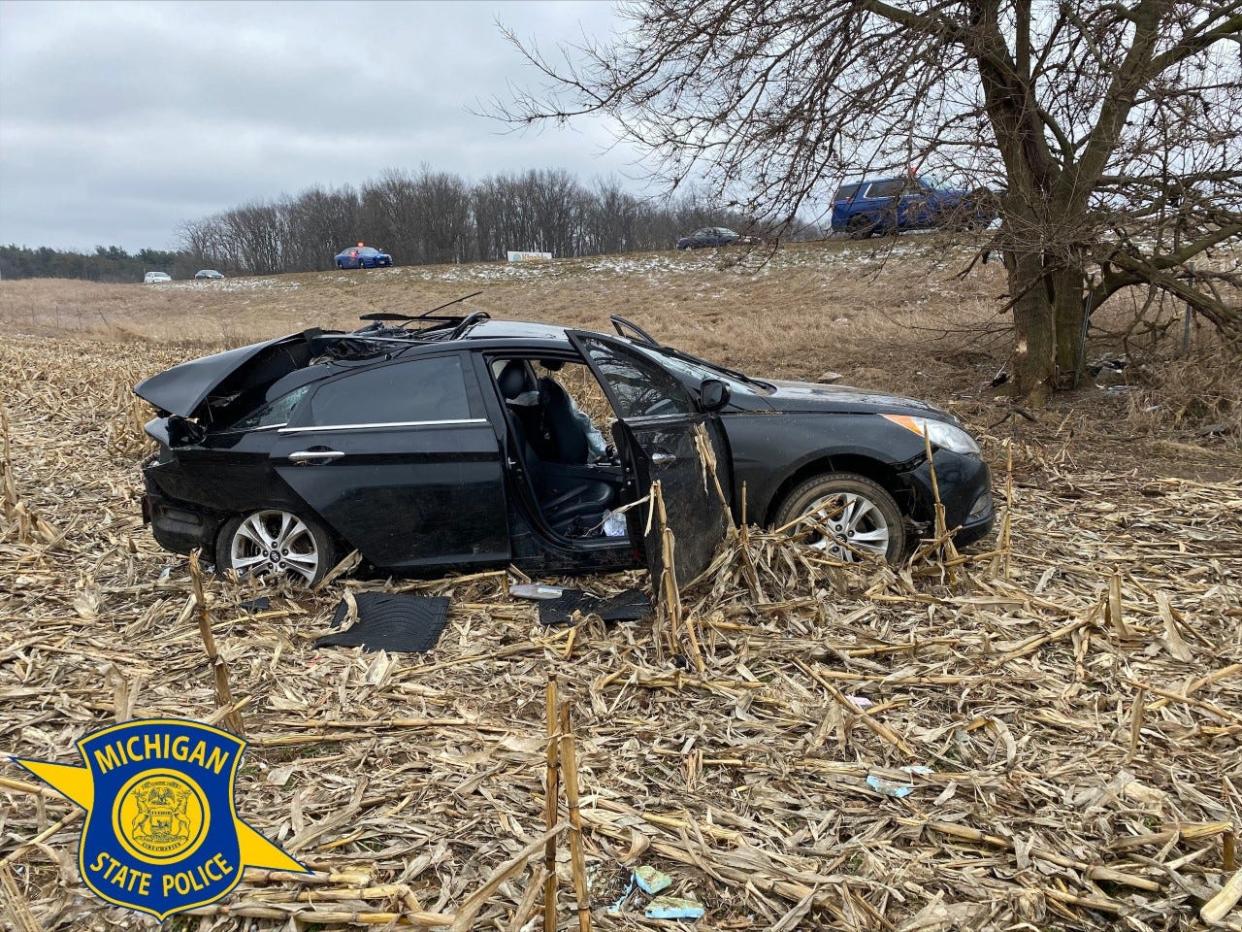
(890, 205)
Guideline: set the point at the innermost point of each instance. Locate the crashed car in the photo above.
(460, 442)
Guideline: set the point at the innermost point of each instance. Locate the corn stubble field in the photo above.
(1070, 690)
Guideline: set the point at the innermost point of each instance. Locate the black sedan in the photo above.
(449, 443)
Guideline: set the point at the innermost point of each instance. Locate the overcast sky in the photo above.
(120, 121)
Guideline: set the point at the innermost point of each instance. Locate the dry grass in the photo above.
(1190, 399)
(1075, 689)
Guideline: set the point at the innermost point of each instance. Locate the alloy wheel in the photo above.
(274, 543)
(849, 527)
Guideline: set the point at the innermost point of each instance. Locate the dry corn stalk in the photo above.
(551, 805)
(219, 670)
(569, 759)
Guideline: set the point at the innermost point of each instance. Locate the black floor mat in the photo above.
(630, 605)
(386, 621)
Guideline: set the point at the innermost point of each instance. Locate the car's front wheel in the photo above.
(861, 227)
(848, 516)
(275, 543)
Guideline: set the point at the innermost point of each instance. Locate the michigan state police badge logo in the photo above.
(162, 833)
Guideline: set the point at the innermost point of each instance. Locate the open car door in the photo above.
(656, 425)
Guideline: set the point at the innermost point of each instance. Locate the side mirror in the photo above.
(713, 394)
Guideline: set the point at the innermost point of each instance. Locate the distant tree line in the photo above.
(420, 218)
(438, 217)
(105, 264)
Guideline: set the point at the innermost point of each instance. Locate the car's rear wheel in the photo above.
(276, 543)
(849, 517)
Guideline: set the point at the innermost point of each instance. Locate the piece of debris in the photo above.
(627, 605)
(673, 907)
(651, 880)
(614, 524)
(828, 377)
(1108, 365)
(535, 591)
(261, 604)
(900, 790)
(392, 622)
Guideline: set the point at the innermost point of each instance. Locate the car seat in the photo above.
(561, 425)
(574, 497)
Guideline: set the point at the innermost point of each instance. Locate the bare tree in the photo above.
(1110, 130)
(438, 217)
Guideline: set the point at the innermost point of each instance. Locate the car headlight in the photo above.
(940, 433)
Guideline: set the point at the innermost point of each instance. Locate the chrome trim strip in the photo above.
(307, 456)
(380, 426)
(250, 430)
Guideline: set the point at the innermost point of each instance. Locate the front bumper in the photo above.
(965, 484)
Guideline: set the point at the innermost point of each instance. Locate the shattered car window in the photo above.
(641, 389)
(278, 412)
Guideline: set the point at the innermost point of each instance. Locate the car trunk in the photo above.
(202, 389)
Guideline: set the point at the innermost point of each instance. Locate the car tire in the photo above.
(884, 512)
(860, 227)
(239, 542)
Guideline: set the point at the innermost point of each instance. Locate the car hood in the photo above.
(812, 396)
(184, 388)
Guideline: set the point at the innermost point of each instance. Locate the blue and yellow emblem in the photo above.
(162, 833)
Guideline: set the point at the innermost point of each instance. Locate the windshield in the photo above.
(699, 369)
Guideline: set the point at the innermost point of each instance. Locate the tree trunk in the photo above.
(1070, 320)
(1035, 346)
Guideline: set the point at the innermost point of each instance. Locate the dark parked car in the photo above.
(207, 275)
(362, 257)
(466, 442)
(890, 205)
(716, 236)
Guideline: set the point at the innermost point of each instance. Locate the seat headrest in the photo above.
(515, 379)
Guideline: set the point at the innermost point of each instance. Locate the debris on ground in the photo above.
(390, 622)
(535, 591)
(898, 788)
(651, 880)
(673, 907)
(627, 605)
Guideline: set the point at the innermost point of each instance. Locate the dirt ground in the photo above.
(1074, 688)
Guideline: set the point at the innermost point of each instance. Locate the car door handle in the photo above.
(312, 456)
(663, 459)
